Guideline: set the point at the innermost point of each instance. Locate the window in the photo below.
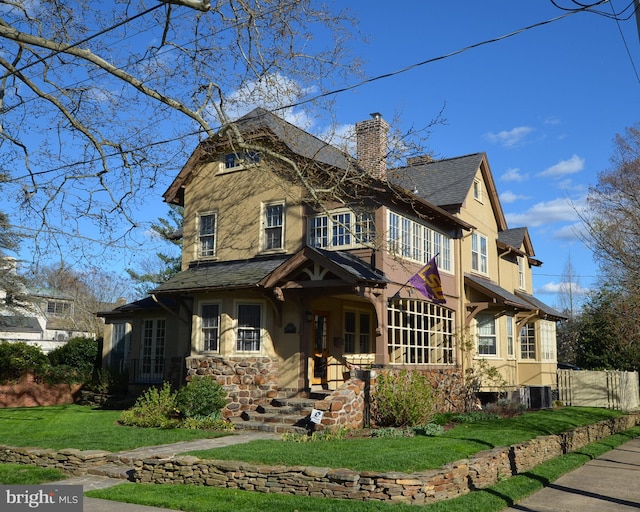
(357, 332)
(273, 227)
(347, 229)
(510, 346)
(153, 341)
(548, 340)
(119, 346)
(239, 158)
(521, 274)
(479, 253)
(210, 325)
(207, 235)
(528, 341)
(487, 341)
(420, 332)
(415, 241)
(341, 229)
(477, 190)
(58, 308)
(249, 331)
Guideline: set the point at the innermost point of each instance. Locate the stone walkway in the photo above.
(111, 474)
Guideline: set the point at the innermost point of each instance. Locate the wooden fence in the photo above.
(610, 389)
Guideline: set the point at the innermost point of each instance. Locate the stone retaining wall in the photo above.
(483, 470)
(344, 407)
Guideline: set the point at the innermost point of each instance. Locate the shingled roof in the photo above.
(445, 183)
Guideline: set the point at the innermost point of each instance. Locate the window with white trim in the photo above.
(528, 341)
(521, 273)
(239, 159)
(416, 242)
(477, 190)
(420, 332)
(510, 345)
(341, 229)
(249, 327)
(479, 248)
(487, 337)
(207, 235)
(210, 327)
(273, 234)
(59, 308)
(548, 340)
(357, 332)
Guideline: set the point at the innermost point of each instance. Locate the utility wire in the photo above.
(624, 41)
(353, 86)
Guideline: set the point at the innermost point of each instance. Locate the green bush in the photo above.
(19, 358)
(78, 353)
(155, 408)
(402, 399)
(202, 397)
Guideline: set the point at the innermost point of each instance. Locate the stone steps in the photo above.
(113, 470)
(283, 414)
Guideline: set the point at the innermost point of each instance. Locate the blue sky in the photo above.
(544, 104)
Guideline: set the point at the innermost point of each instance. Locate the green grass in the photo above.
(17, 474)
(493, 499)
(412, 454)
(84, 428)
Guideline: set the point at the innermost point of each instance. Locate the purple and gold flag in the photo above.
(427, 281)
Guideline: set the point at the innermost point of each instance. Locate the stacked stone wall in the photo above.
(483, 470)
(249, 381)
(31, 392)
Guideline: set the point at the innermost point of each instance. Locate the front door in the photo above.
(152, 361)
(320, 347)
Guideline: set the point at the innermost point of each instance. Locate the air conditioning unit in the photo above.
(61, 337)
(540, 397)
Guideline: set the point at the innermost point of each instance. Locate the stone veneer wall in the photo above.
(249, 381)
(344, 407)
(483, 470)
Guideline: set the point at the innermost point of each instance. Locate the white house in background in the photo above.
(48, 321)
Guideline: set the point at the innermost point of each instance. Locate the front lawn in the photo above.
(416, 453)
(84, 428)
(493, 499)
(17, 474)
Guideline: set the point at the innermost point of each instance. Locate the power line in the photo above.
(350, 87)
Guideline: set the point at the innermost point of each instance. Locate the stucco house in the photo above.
(296, 269)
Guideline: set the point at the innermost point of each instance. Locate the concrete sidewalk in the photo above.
(608, 483)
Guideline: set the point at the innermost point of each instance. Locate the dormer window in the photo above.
(239, 158)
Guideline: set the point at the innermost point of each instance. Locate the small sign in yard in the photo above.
(316, 416)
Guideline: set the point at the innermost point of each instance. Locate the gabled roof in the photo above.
(261, 123)
(514, 239)
(446, 183)
(146, 304)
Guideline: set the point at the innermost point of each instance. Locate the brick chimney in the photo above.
(371, 142)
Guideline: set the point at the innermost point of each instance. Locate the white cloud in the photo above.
(570, 232)
(510, 138)
(553, 288)
(514, 174)
(573, 165)
(271, 92)
(510, 197)
(547, 212)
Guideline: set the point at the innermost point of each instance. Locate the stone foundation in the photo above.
(249, 381)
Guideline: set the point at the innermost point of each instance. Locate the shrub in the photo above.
(19, 358)
(402, 399)
(156, 407)
(78, 353)
(202, 397)
(207, 424)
